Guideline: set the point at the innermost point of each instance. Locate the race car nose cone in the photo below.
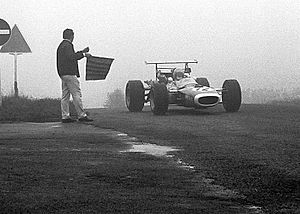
(208, 100)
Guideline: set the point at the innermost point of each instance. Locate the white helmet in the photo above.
(178, 74)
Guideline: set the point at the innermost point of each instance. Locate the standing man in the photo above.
(67, 68)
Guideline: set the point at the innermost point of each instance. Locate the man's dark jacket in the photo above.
(66, 59)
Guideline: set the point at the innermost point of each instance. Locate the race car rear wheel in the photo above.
(159, 99)
(202, 81)
(231, 95)
(135, 95)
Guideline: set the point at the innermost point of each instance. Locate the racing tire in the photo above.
(231, 95)
(135, 95)
(203, 81)
(159, 99)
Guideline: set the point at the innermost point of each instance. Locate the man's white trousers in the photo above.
(71, 86)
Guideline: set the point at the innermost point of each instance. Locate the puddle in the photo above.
(137, 146)
(255, 209)
(56, 126)
(212, 190)
(185, 165)
(122, 135)
(150, 149)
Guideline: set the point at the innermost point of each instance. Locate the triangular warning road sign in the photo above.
(16, 43)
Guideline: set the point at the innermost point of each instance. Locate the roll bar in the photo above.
(157, 68)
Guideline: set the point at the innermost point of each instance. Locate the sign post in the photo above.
(16, 73)
(5, 33)
(16, 46)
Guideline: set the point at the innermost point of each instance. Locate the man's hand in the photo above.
(87, 54)
(87, 49)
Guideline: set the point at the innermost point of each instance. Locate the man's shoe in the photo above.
(68, 120)
(85, 119)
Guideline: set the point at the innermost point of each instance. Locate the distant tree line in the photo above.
(273, 96)
(115, 99)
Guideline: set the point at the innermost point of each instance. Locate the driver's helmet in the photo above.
(178, 74)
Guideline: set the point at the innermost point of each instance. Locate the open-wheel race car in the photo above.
(176, 86)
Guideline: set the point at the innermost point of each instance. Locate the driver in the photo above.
(178, 74)
(183, 81)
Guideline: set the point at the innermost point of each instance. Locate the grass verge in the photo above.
(16, 109)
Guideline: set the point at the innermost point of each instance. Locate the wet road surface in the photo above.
(65, 168)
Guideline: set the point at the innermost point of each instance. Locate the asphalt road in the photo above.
(255, 151)
(185, 162)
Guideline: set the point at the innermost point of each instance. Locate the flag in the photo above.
(97, 68)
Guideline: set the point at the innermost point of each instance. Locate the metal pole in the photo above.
(16, 73)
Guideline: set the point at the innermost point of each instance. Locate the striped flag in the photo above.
(97, 68)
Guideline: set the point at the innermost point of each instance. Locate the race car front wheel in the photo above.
(231, 95)
(159, 99)
(135, 95)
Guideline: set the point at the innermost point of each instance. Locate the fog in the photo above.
(256, 42)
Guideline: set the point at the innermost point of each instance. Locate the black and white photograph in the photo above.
(150, 107)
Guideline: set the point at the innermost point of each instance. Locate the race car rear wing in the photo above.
(162, 69)
(171, 62)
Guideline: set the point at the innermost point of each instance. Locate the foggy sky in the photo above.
(256, 42)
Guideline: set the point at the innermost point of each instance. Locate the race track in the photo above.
(254, 151)
(188, 161)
